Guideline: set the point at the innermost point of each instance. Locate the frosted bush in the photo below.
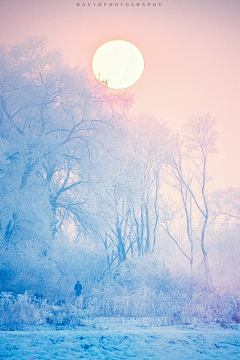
(17, 310)
(20, 311)
(172, 308)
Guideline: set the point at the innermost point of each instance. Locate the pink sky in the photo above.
(191, 50)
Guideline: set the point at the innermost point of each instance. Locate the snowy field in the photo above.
(108, 340)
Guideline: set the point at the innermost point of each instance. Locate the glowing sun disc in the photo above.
(118, 63)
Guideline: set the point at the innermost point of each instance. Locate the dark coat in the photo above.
(78, 288)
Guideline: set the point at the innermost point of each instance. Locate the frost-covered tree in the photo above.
(187, 173)
(54, 121)
(226, 206)
(53, 117)
(151, 145)
(130, 188)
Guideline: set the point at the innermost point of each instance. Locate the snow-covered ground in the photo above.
(109, 340)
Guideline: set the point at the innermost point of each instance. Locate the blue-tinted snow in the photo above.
(113, 340)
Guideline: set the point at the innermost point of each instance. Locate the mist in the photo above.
(118, 203)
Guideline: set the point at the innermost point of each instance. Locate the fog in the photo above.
(120, 203)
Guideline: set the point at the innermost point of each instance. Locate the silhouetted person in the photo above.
(78, 288)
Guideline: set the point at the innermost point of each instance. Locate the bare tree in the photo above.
(151, 143)
(187, 173)
(134, 187)
(226, 206)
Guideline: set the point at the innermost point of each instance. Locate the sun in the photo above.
(118, 63)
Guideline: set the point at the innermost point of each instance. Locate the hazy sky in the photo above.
(191, 50)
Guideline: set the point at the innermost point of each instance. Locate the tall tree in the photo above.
(187, 173)
(53, 117)
(131, 189)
